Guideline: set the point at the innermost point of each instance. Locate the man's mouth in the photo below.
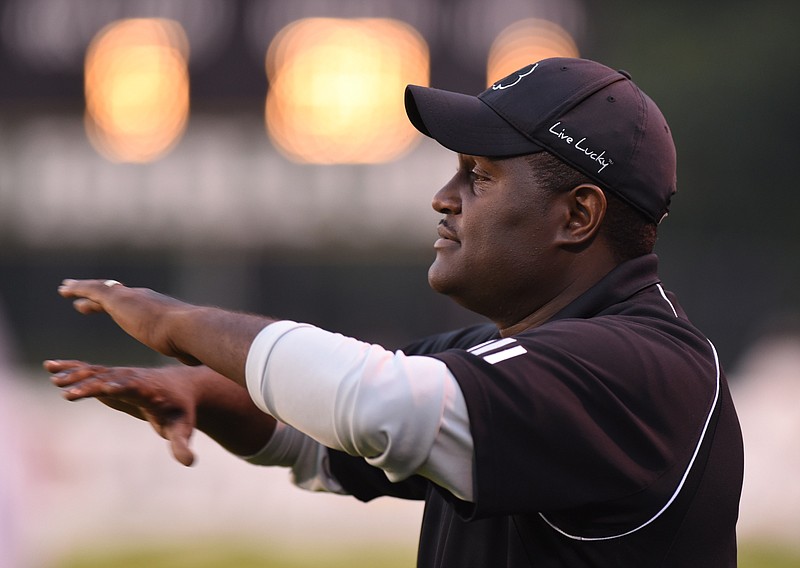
(446, 232)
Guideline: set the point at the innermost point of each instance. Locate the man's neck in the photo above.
(576, 283)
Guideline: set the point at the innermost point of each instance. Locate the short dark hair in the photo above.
(628, 231)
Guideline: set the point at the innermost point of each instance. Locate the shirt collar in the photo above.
(621, 283)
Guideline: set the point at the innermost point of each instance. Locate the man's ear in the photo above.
(584, 213)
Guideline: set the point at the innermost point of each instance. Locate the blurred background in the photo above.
(254, 154)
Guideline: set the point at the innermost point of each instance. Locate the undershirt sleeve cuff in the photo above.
(307, 459)
(259, 353)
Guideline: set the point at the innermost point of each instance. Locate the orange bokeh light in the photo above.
(336, 89)
(524, 42)
(137, 89)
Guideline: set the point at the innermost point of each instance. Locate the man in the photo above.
(590, 426)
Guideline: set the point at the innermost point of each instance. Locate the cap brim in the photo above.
(464, 124)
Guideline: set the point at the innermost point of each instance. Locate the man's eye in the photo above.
(478, 176)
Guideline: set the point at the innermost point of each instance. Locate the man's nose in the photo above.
(447, 200)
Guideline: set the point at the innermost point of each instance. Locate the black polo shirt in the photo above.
(605, 437)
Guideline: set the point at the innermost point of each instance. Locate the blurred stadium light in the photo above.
(527, 41)
(137, 89)
(336, 89)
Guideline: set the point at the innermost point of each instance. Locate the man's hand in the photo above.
(164, 397)
(142, 313)
(217, 338)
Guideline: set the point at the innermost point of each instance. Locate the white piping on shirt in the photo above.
(685, 473)
(664, 295)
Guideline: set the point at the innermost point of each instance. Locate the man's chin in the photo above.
(439, 279)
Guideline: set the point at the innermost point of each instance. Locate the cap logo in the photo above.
(499, 86)
(582, 146)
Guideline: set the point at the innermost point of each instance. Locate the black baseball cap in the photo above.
(590, 116)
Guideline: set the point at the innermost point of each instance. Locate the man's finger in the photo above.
(88, 293)
(87, 306)
(91, 387)
(71, 288)
(56, 365)
(81, 390)
(178, 436)
(66, 373)
(70, 377)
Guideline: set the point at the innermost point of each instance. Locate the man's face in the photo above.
(495, 254)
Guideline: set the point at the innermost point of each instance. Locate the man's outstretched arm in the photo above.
(175, 400)
(405, 415)
(217, 338)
